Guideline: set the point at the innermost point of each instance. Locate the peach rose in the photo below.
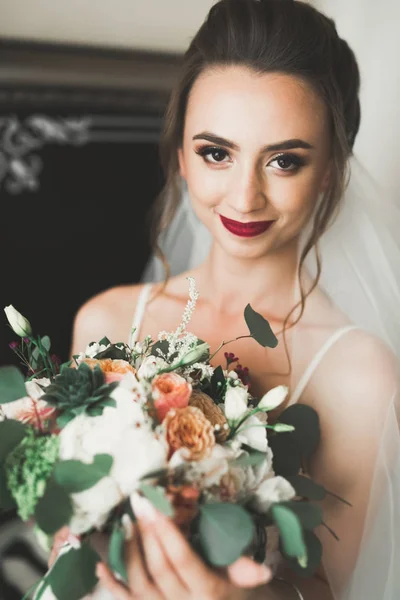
(114, 370)
(170, 390)
(189, 428)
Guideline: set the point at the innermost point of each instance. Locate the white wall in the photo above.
(371, 27)
(148, 24)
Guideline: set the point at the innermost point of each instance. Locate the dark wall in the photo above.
(79, 172)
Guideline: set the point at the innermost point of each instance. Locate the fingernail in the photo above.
(142, 508)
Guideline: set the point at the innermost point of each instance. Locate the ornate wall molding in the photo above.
(22, 140)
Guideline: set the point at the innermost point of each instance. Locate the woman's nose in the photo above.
(247, 192)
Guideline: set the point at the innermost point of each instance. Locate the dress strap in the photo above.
(305, 378)
(139, 313)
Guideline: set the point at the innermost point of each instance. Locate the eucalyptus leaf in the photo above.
(259, 328)
(11, 434)
(306, 487)
(46, 343)
(54, 509)
(12, 384)
(286, 454)
(76, 476)
(290, 530)
(225, 532)
(252, 459)
(305, 420)
(314, 556)
(116, 551)
(73, 575)
(309, 514)
(156, 495)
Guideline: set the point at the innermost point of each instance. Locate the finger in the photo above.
(118, 590)
(188, 566)
(164, 575)
(138, 576)
(246, 573)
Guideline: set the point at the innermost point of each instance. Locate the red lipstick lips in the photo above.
(245, 229)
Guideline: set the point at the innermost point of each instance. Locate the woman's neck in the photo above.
(267, 283)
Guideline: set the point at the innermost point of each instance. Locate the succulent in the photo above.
(77, 391)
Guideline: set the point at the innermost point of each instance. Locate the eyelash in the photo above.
(298, 162)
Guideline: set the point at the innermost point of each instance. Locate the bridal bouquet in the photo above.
(77, 440)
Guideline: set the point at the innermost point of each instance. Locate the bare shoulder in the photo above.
(109, 313)
(363, 366)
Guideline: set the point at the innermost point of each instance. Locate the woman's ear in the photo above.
(181, 162)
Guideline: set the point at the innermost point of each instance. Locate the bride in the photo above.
(260, 129)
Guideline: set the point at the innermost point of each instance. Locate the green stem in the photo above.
(230, 341)
(243, 420)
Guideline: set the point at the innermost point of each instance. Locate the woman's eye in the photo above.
(286, 162)
(213, 155)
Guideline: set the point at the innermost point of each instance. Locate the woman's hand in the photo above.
(161, 565)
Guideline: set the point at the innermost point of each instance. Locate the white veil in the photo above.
(360, 256)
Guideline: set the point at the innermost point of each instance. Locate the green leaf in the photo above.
(112, 352)
(74, 573)
(305, 420)
(309, 514)
(12, 384)
(11, 434)
(253, 459)
(218, 383)
(116, 551)
(306, 487)
(104, 341)
(65, 365)
(64, 419)
(162, 345)
(7, 502)
(76, 476)
(314, 556)
(290, 530)
(286, 455)
(259, 328)
(225, 532)
(46, 343)
(156, 495)
(54, 509)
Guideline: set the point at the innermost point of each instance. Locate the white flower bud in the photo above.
(273, 398)
(194, 355)
(236, 400)
(19, 324)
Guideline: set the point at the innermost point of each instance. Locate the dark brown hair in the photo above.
(284, 36)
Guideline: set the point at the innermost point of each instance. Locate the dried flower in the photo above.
(170, 390)
(189, 428)
(184, 499)
(113, 370)
(212, 412)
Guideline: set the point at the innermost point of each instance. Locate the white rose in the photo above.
(274, 489)
(150, 367)
(235, 406)
(124, 434)
(273, 398)
(95, 348)
(19, 324)
(253, 433)
(210, 470)
(29, 408)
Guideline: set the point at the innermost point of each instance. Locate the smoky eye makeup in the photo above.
(286, 162)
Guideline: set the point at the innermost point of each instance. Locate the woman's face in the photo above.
(255, 156)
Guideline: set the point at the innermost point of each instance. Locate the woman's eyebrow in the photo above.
(284, 145)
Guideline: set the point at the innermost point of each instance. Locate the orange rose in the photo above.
(189, 428)
(113, 370)
(170, 391)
